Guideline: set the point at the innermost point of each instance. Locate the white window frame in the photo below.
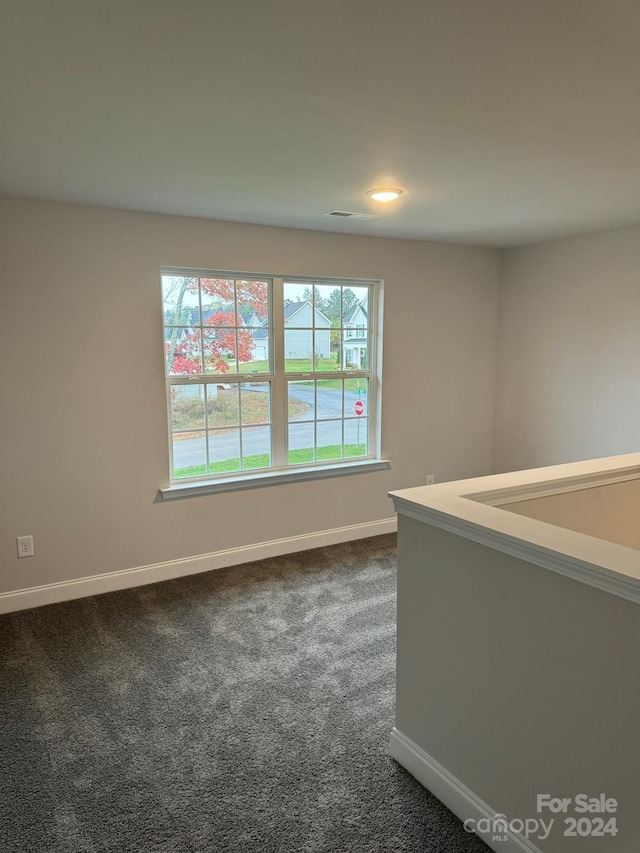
(280, 471)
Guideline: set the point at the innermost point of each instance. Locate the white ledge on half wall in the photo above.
(480, 509)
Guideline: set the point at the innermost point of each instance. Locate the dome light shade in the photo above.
(385, 193)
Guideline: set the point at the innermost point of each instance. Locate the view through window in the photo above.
(267, 373)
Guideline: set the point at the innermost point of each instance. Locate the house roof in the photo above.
(354, 311)
(292, 308)
(247, 315)
(208, 313)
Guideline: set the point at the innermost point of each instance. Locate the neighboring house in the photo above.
(299, 342)
(248, 318)
(260, 351)
(354, 338)
(193, 320)
(260, 348)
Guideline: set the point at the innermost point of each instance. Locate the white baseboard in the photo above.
(37, 596)
(452, 792)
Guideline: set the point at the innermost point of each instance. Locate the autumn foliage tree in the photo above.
(224, 335)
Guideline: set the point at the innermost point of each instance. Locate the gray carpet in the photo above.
(242, 710)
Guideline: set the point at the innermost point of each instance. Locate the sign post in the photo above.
(358, 408)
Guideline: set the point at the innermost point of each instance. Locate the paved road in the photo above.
(255, 440)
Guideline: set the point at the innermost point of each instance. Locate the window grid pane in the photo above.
(319, 319)
(230, 316)
(220, 429)
(337, 409)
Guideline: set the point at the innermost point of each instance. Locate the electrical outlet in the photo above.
(431, 478)
(25, 546)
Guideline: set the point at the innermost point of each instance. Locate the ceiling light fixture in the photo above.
(385, 193)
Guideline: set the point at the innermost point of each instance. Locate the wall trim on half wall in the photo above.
(37, 596)
(453, 793)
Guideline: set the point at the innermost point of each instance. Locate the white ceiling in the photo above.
(506, 121)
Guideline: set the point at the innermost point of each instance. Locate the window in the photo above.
(259, 381)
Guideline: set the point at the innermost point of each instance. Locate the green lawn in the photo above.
(292, 365)
(303, 365)
(262, 460)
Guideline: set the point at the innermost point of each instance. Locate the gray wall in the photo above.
(569, 351)
(84, 443)
(505, 678)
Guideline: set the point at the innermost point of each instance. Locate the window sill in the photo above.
(272, 478)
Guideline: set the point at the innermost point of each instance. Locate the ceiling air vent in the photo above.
(349, 214)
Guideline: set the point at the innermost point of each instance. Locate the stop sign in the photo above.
(358, 407)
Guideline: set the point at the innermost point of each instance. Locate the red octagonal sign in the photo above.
(358, 407)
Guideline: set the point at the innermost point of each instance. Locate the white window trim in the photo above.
(189, 488)
(281, 473)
